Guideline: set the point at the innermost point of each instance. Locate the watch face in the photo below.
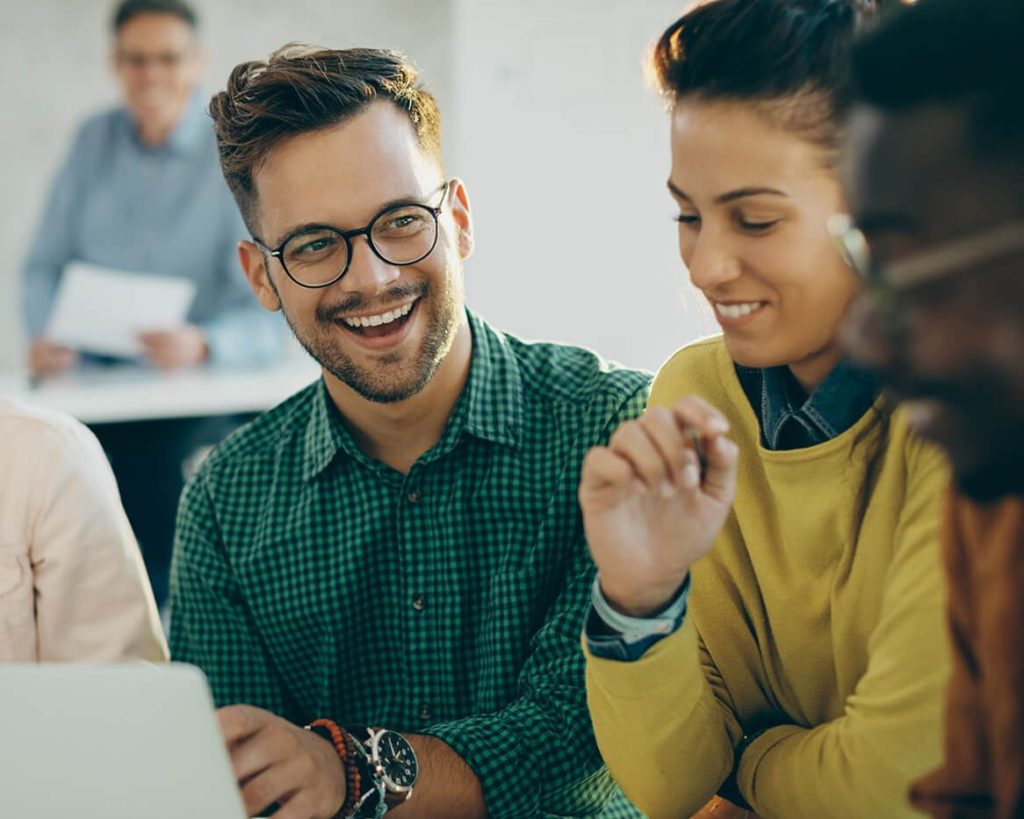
(397, 761)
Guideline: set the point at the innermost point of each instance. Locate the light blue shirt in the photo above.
(161, 210)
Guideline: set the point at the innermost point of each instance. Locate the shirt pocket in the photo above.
(17, 607)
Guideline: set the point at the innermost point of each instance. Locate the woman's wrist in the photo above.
(645, 602)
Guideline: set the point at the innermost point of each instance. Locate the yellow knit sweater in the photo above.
(832, 634)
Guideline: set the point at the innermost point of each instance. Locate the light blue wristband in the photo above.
(636, 629)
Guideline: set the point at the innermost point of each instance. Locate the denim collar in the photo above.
(791, 419)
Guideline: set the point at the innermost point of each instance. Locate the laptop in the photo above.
(111, 742)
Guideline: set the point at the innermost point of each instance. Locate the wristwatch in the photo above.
(390, 771)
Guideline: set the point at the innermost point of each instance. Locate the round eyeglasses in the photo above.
(401, 235)
(890, 285)
(951, 258)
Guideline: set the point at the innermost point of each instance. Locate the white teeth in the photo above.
(738, 310)
(383, 318)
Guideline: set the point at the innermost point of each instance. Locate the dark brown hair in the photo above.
(790, 58)
(301, 89)
(128, 9)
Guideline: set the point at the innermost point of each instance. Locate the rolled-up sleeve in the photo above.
(537, 756)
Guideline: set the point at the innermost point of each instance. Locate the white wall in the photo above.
(547, 119)
(565, 152)
(54, 58)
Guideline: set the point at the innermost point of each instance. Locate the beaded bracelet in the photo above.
(343, 745)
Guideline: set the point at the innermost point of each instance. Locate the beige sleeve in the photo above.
(93, 602)
(663, 724)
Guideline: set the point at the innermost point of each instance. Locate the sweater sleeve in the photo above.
(889, 732)
(664, 724)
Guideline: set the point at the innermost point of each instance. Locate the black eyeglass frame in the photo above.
(889, 284)
(348, 235)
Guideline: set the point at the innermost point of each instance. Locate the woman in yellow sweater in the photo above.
(767, 622)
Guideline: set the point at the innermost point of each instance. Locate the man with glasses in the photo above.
(394, 557)
(140, 192)
(936, 186)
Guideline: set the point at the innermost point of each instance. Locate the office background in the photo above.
(546, 117)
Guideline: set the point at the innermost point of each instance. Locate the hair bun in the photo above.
(869, 8)
(862, 12)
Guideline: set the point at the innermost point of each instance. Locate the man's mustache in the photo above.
(329, 313)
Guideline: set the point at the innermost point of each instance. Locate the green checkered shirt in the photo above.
(313, 581)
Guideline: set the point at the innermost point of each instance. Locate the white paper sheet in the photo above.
(103, 311)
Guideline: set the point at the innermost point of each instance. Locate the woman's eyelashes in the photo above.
(745, 224)
(756, 225)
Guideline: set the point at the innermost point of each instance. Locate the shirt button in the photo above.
(419, 602)
(414, 496)
(425, 713)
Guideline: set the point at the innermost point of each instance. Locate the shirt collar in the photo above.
(490, 407)
(494, 393)
(320, 443)
(187, 136)
(835, 406)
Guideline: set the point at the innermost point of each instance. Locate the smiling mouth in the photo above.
(738, 309)
(380, 324)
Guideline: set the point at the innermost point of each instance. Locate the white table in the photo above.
(128, 393)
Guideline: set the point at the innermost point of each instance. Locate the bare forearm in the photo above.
(447, 788)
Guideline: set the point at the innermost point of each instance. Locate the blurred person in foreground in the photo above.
(141, 191)
(936, 187)
(72, 585)
(398, 546)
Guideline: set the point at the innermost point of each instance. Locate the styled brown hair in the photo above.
(792, 61)
(788, 58)
(301, 89)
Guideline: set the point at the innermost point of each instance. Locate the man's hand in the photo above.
(47, 358)
(647, 511)
(171, 349)
(274, 761)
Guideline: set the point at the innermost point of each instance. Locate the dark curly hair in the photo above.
(301, 89)
(957, 53)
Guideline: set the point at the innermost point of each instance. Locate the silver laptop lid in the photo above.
(111, 742)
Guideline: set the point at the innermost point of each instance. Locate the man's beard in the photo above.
(986, 443)
(997, 478)
(442, 324)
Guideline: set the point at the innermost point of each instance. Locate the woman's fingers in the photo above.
(721, 458)
(694, 412)
(633, 443)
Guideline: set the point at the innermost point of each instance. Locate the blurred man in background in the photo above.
(936, 184)
(141, 191)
